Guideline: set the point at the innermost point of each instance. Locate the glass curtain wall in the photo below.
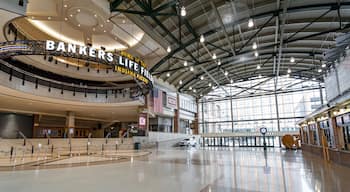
(254, 105)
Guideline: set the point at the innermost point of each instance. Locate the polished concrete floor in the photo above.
(210, 169)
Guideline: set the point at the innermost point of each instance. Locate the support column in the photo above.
(231, 107)
(195, 122)
(177, 114)
(321, 93)
(36, 123)
(277, 113)
(70, 124)
(203, 122)
(143, 117)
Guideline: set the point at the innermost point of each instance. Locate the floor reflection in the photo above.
(193, 169)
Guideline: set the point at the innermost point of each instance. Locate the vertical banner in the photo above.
(157, 100)
(142, 121)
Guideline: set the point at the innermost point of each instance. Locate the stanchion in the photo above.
(11, 152)
(70, 149)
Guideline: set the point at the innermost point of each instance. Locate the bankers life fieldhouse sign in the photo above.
(121, 62)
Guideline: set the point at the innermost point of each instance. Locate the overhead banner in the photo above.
(120, 61)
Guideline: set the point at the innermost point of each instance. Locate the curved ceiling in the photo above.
(84, 21)
(281, 30)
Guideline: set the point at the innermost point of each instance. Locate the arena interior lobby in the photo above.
(175, 95)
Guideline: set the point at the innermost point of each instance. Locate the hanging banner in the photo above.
(120, 61)
(142, 121)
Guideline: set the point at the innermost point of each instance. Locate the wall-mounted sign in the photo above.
(121, 61)
(171, 102)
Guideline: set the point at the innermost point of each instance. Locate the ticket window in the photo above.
(346, 131)
(313, 134)
(324, 128)
(305, 136)
(341, 130)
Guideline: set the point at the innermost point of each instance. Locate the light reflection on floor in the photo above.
(214, 169)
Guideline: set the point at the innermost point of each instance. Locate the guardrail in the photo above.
(38, 148)
(249, 134)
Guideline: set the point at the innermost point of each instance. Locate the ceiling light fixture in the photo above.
(108, 20)
(255, 46)
(258, 67)
(314, 78)
(292, 59)
(202, 77)
(101, 25)
(79, 25)
(183, 11)
(209, 84)
(202, 39)
(194, 91)
(65, 5)
(66, 19)
(323, 65)
(214, 56)
(190, 88)
(231, 81)
(180, 82)
(93, 29)
(71, 15)
(319, 70)
(49, 18)
(260, 76)
(123, 21)
(219, 62)
(168, 74)
(289, 70)
(191, 68)
(226, 73)
(78, 10)
(250, 23)
(168, 49)
(288, 75)
(256, 54)
(95, 15)
(185, 63)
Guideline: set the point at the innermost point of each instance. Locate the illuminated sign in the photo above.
(121, 61)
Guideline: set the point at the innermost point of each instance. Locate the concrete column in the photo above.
(177, 115)
(196, 122)
(70, 124)
(143, 120)
(36, 121)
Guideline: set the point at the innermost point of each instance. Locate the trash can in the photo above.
(137, 146)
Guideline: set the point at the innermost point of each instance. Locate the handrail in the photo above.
(54, 81)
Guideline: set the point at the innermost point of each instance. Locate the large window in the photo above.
(254, 105)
